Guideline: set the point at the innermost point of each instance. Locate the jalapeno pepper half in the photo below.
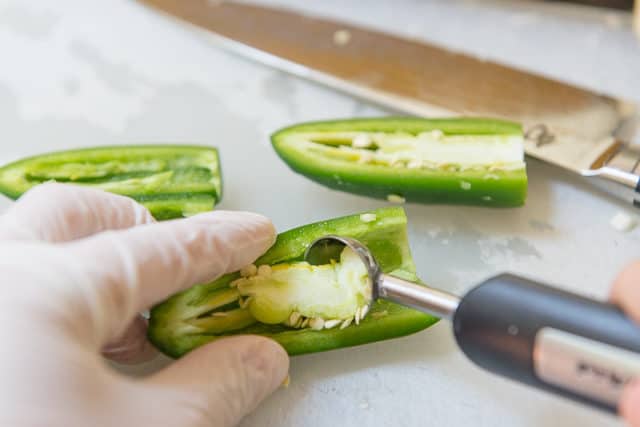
(170, 180)
(305, 308)
(458, 160)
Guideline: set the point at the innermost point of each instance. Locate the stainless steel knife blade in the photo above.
(565, 125)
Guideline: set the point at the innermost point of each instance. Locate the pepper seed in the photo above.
(317, 323)
(264, 270)
(329, 324)
(248, 270)
(346, 323)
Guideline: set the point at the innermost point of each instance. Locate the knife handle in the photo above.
(548, 338)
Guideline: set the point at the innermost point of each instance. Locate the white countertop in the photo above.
(75, 73)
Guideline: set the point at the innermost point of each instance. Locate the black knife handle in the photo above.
(551, 339)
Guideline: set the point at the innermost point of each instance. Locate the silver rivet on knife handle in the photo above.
(540, 135)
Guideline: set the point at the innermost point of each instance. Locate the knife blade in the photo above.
(567, 126)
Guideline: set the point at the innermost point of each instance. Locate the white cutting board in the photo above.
(75, 73)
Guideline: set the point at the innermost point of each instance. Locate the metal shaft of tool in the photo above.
(433, 301)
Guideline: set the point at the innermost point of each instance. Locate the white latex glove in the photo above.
(77, 266)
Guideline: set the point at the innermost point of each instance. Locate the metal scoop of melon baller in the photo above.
(438, 303)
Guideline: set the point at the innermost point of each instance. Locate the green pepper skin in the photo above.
(386, 237)
(508, 189)
(172, 181)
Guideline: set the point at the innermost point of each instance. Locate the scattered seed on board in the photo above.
(248, 270)
(286, 381)
(368, 217)
(465, 185)
(264, 270)
(332, 323)
(317, 323)
(394, 198)
(346, 323)
(304, 323)
(622, 221)
(341, 37)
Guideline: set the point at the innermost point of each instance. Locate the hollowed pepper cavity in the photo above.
(305, 308)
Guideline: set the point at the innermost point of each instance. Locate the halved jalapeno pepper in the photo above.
(170, 180)
(305, 308)
(459, 160)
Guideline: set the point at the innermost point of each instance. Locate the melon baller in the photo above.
(521, 329)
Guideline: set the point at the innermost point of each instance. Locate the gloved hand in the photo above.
(77, 266)
(626, 294)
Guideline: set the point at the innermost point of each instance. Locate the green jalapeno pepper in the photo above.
(458, 161)
(305, 308)
(170, 180)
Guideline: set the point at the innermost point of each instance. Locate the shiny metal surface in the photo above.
(433, 301)
(628, 179)
(620, 164)
(328, 248)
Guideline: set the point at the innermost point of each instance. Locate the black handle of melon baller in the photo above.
(548, 338)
